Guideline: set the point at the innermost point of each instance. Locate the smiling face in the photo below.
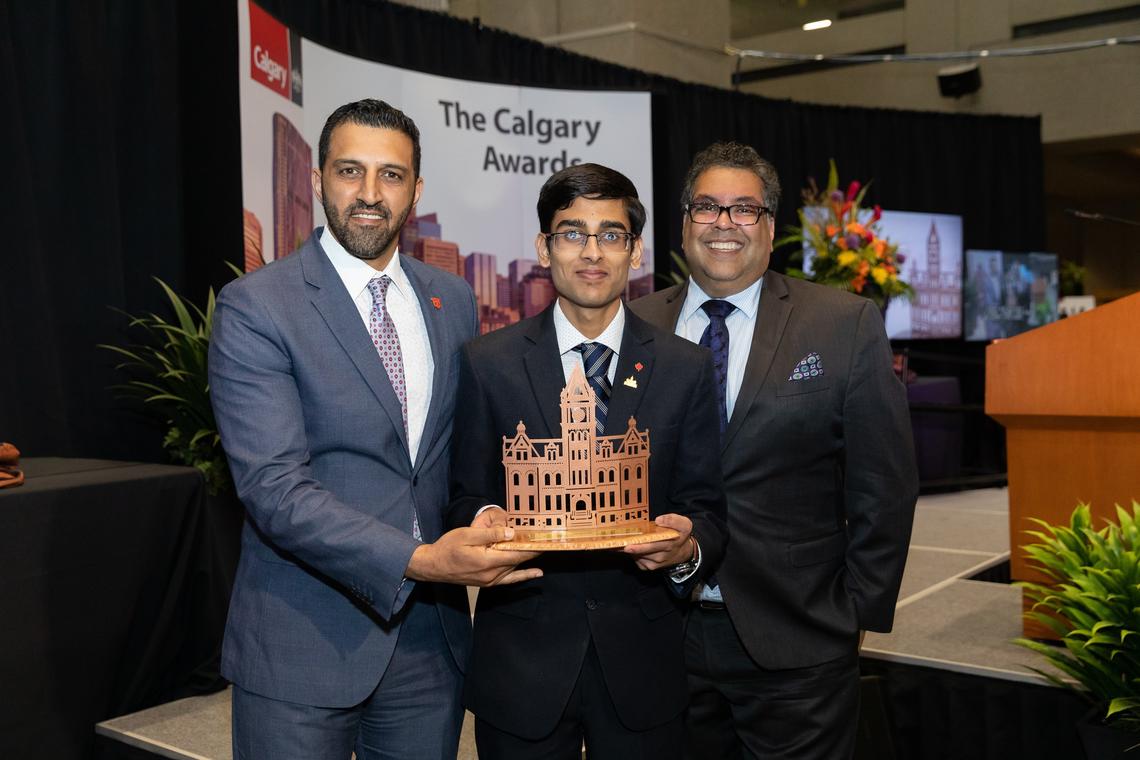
(725, 258)
(367, 187)
(589, 281)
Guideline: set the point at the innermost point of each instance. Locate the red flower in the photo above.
(639, 366)
(878, 213)
(436, 302)
(853, 190)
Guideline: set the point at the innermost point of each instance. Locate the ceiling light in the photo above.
(823, 23)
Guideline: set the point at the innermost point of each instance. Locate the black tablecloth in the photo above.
(114, 582)
(937, 434)
(942, 715)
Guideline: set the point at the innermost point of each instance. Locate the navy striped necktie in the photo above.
(596, 359)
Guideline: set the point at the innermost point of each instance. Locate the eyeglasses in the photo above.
(609, 241)
(741, 214)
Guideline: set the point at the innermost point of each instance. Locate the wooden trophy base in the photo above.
(585, 540)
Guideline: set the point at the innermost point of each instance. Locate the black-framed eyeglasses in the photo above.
(740, 214)
(610, 241)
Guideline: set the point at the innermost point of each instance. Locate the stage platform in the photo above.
(943, 619)
(945, 623)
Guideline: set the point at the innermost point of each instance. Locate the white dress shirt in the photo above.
(404, 308)
(569, 337)
(741, 323)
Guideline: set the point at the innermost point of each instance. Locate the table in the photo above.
(114, 583)
(937, 433)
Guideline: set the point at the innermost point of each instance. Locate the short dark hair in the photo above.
(370, 113)
(592, 181)
(734, 155)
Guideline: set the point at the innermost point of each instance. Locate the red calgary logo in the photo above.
(269, 50)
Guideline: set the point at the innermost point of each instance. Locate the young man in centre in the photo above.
(592, 650)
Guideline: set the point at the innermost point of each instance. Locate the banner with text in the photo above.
(487, 149)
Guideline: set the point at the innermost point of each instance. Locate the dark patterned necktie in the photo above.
(715, 338)
(596, 359)
(387, 342)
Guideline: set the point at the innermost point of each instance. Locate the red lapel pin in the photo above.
(436, 302)
(639, 366)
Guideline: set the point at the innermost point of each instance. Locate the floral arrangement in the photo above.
(848, 251)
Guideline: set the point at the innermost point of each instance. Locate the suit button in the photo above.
(591, 604)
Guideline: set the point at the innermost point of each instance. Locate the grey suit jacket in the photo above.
(819, 472)
(315, 440)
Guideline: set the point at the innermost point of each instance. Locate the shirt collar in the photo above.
(569, 337)
(747, 300)
(356, 273)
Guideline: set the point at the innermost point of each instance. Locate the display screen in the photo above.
(1008, 293)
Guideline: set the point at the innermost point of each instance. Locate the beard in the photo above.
(366, 243)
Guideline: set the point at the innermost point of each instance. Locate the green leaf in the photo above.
(167, 370)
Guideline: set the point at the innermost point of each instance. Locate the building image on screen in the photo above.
(1008, 293)
(932, 245)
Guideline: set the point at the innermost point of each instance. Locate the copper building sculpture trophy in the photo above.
(582, 490)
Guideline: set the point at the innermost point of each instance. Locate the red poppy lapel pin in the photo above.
(639, 366)
(436, 302)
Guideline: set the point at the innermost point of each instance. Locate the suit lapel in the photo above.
(636, 351)
(771, 319)
(544, 370)
(674, 300)
(421, 279)
(339, 312)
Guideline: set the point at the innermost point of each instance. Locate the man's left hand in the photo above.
(664, 554)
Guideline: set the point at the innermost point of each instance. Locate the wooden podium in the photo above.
(1068, 395)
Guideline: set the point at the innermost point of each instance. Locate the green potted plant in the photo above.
(1092, 604)
(168, 374)
(1072, 278)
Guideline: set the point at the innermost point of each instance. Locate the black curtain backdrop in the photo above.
(120, 135)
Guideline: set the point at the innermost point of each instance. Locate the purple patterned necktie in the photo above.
(387, 343)
(715, 338)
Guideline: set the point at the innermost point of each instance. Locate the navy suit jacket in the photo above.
(820, 475)
(315, 440)
(531, 638)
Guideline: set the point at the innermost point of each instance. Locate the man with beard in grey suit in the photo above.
(333, 380)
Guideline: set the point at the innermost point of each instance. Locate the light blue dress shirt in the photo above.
(741, 323)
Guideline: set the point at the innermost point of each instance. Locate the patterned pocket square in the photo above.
(808, 367)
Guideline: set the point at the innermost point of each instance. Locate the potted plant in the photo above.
(848, 251)
(1092, 603)
(168, 374)
(167, 371)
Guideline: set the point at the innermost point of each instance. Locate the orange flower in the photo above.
(880, 246)
(857, 228)
(832, 230)
(842, 243)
